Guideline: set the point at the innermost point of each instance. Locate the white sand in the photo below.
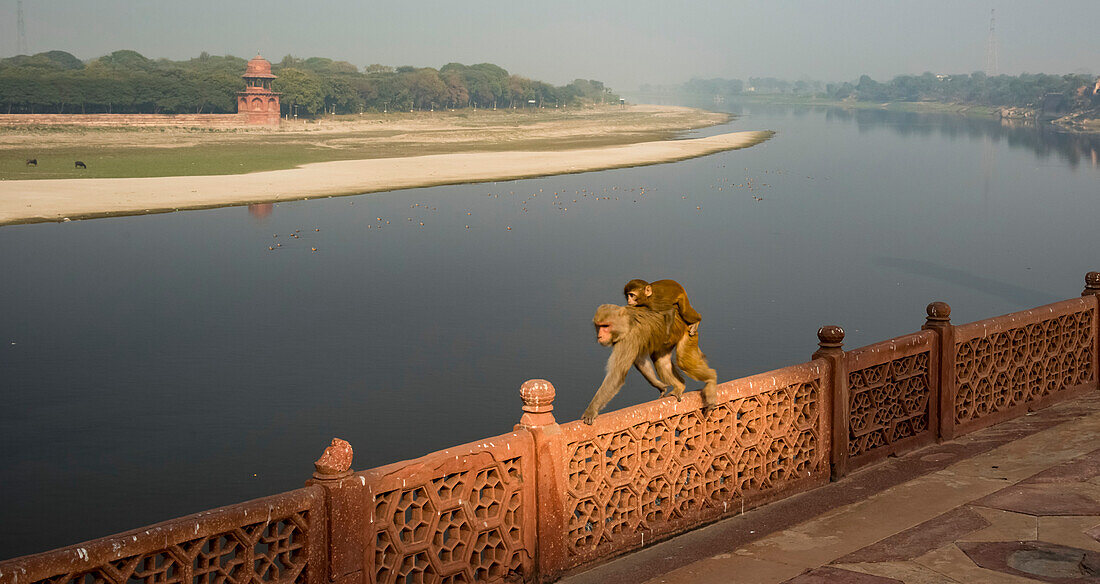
(29, 201)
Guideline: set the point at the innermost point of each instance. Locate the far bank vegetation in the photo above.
(1074, 93)
(128, 82)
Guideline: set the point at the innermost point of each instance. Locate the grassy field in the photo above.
(152, 152)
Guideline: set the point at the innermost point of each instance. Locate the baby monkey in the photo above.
(665, 295)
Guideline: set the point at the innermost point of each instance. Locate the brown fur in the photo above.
(663, 295)
(669, 295)
(639, 337)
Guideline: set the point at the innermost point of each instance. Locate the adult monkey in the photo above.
(636, 336)
(665, 295)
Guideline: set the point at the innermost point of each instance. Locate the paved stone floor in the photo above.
(1015, 503)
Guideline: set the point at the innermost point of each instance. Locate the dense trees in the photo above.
(1024, 90)
(977, 88)
(127, 82)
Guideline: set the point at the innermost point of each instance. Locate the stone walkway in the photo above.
(1015, 503)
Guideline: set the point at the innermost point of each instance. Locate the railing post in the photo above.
(1092, 288)
(346, 513)
(943, 390)
(1092, 284)
(549, 513)
(830, 340)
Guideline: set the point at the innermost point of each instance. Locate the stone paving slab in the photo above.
(921, 539)
(1004, 526)
(1017, 502)
(1070, 498)
(909, 572)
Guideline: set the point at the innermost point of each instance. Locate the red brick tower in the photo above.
(257, 101)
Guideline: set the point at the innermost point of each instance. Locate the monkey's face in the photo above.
(603, 333)
(632, 298)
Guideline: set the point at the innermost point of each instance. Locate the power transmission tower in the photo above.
(991, 46)
(22, 49)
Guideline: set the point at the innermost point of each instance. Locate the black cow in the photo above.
(32, 162)
(80, 164)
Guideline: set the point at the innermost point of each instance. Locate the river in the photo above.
(160, 365)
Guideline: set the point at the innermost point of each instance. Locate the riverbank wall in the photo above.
(239, 120)
(550, 497)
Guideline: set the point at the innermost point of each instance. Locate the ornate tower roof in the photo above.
(257, 102)
(258, 67)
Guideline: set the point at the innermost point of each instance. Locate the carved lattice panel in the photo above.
(888, 402)
(461, 526)
(1022, 364)
(268, 552)
(658, 475)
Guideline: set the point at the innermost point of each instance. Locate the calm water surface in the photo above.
(162, 365)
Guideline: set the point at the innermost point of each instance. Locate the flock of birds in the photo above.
(561, 200)
(294, 236)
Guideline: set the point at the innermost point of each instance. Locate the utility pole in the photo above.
(22, 49)
(991, 46)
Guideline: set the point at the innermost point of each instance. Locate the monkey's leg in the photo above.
(668, 373)
(692, 360)
(645, 366)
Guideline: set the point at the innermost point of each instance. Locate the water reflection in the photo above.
(1042, 139)
(261, 210)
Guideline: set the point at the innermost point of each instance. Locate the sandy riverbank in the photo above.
(32, 201)
(135, 151)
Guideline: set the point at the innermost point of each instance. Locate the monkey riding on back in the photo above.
(658, 320)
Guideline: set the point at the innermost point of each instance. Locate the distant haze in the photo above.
(623, 43)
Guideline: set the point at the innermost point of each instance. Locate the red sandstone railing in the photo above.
(273, 540)
(890, 404)
(466, 514)
(1005, 365)
(237, 120)
(548, 498)
(653, 470)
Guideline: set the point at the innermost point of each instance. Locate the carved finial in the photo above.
(335, 462)
(830, 335)
(538, 395)
(938, 311)
(538, 403)
(1092, 281)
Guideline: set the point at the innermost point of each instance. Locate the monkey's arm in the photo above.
(617, 366)
(645, 367)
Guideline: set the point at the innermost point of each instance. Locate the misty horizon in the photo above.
(624, 44)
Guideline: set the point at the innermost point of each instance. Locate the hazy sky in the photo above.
(621, 42)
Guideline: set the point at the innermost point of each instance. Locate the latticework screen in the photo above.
(1021, 358)
(890, 394)
(663, 468)
(460, 515)
(266, 541)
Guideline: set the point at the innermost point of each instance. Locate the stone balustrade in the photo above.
(548, 497)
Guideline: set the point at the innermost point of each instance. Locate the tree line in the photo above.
(1024, 90)
(127, 82)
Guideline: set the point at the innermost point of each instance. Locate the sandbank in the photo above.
(33, 201)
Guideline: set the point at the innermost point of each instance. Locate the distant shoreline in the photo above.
(35, 201)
